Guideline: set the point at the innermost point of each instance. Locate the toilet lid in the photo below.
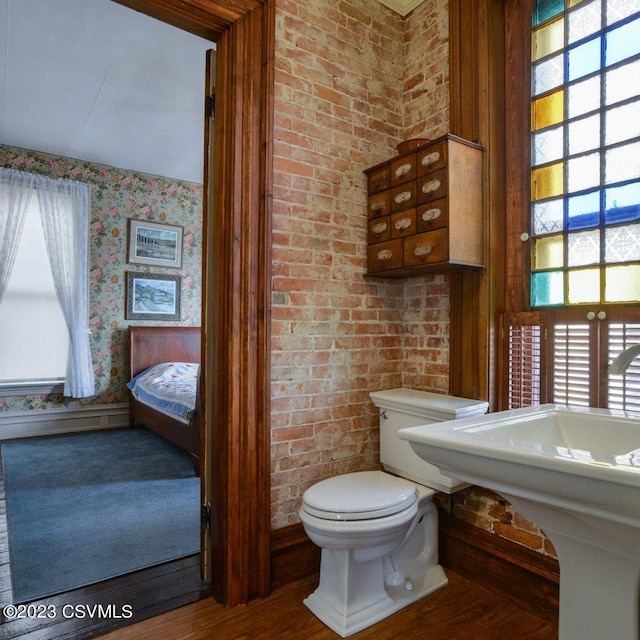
(359, 496)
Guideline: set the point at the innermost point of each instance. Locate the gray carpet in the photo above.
(87, 507)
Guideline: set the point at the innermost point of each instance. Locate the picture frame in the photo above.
(152, 296)
(155, 244)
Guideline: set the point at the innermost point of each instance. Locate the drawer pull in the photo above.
(403, 224)
(430, 187)
(403, 169)
(422, 251)
(430, 215)
(377, 205)
(385, 254)
(403, 197)
(430, 159)
(379, 228)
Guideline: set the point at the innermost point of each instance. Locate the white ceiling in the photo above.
(93, 80)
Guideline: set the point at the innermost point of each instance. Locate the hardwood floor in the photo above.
(460, 611)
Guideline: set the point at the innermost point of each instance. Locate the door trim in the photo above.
(236, 289)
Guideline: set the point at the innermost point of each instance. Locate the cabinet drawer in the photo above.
(379, 205)
(426, 248)
(433, 215)
(431, 158)
(379, 229)
(403, 197)
(403, 223)
(379, 180)
(432, 186)
(385, 255)
(403, 170)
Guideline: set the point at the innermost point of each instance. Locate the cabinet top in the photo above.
(446, 136)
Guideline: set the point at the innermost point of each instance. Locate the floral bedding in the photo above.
(169, 387)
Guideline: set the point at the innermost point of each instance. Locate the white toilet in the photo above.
(379, 532)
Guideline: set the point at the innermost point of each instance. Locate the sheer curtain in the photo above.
(15, 194)
(65, 209)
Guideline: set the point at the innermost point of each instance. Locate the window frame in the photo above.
(518, 310)
(40, 385)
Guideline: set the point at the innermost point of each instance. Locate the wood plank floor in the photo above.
(460, 611)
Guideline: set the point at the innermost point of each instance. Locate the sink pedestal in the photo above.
(575, 471)
(599, 571)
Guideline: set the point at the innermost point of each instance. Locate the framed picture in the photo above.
(155, 243)
(152, 296)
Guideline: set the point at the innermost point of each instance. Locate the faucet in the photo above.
(623, 359)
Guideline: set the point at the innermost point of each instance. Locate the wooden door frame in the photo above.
(236, 287)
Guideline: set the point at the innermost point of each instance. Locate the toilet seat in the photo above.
(363, 495)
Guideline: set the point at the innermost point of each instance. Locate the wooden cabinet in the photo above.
(425, 210)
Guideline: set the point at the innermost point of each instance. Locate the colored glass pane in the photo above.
(583, 97)
(623, 42)
(547, 217)
(584, 134)
(622, 204)
(548, 74)
(583, 286)
(583, 211)
(548, 39)
(583, 248)
(547, 182)
(547, 289)
(622, 163)
(583, 172)
(622, 123)
(622, 244)
(548, 145)
(543, 10)
(547, 111)
(620, 9)
(548, 252)
(584, 20)
(622, 82)
(622, 283)
(584, 59)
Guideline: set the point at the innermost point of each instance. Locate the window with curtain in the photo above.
(44, 260)
(575, 232)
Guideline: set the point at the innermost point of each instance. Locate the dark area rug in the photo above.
(87, 507)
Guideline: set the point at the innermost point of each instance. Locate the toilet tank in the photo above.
(400, 408)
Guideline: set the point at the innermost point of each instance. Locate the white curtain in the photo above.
(15, 194)
(65, 210)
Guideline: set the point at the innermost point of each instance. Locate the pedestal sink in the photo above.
(576, 473)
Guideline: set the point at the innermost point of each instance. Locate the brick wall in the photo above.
(352, 80)
(336, 335)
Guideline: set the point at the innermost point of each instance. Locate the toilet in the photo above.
(378, 530)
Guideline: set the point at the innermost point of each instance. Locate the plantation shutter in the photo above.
(572, 364)
(624, 390)
(523, 335)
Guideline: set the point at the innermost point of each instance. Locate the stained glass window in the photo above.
(585, 152)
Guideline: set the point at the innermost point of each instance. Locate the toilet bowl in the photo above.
(378, 531)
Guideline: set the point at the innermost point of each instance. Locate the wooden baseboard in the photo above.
(293, 556)
(528, 579)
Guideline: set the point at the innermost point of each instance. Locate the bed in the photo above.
(154, 346)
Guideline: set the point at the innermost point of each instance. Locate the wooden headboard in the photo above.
(152, 345)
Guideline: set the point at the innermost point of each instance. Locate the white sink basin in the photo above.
(576, 473)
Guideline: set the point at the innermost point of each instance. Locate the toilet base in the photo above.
(362, 614)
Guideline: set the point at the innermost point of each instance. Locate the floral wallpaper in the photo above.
(118, 195)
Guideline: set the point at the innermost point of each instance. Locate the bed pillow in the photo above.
(169, 387)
